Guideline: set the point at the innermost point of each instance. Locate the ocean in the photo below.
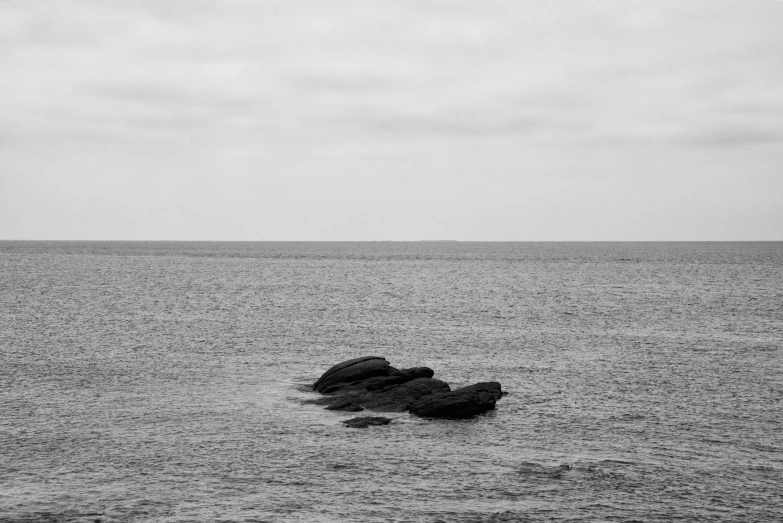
(171, 381)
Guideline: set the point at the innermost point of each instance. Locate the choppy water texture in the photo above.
(166, 381)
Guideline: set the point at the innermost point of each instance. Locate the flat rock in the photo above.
(366, 421)
(461, 403)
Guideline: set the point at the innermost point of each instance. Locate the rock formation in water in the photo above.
(372, 383)
(366, 421)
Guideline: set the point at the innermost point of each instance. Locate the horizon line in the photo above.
(392, 241)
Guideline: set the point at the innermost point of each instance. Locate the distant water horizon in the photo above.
(395, 241)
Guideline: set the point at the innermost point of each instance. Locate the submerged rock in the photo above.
(366, 421)
(346, 406)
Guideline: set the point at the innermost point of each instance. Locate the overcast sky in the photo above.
(400, 120)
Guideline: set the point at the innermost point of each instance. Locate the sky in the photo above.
(486, 120)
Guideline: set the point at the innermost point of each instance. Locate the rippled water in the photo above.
(168, 381)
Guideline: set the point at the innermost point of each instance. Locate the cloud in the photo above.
(731, 137)
(443, 125)
(564, 73)
(166, 96)
(517, 119)
(346, 83)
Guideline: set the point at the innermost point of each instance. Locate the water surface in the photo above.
(168, 381)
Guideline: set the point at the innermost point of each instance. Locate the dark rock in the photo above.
(353, 370)
(493, 387)
(399, 397)
(395, 377)
(461, 403)
(394, 398)
(343, 365)
(381, 382)
(369, 384)
(366, 421)
(413, 373)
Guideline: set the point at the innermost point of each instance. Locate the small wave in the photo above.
(303, 387)
(543, 471)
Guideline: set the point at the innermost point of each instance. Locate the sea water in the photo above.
(171, 382)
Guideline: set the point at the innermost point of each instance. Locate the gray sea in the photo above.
(169, 381)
